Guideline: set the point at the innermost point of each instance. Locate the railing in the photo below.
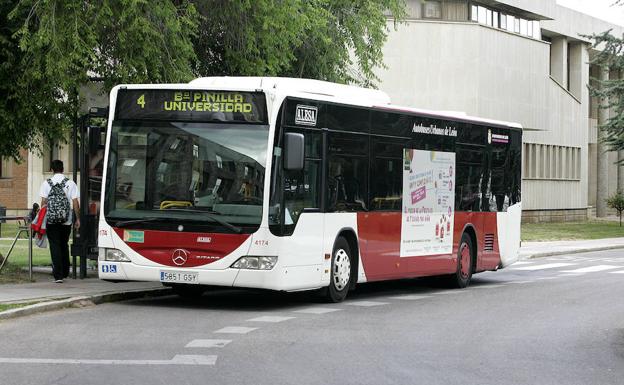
(21, 228)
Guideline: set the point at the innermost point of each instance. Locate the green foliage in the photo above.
(49, 48)
(610, 56)
(334, 40)
(616, 201)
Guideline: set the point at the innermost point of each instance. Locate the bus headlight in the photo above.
(255, 263)
(114, 255)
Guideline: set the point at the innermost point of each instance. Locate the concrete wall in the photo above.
(39, 172)
(571, 23)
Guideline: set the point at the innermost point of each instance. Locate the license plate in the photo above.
(179, 276)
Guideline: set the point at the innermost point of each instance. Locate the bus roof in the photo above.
(293, 86)
(451, 115)
(333, 92)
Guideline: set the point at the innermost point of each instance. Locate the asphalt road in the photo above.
(557, 320)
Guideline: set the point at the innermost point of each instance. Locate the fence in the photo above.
(21, 228)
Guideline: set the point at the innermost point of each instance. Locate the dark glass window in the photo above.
(343, 118)
(386, 178)
(390, 123)
(300, 189)
(468, 190)
(347, 172)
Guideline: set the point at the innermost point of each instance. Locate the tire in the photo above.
(341, 277)
(465, 259)
(188, 291)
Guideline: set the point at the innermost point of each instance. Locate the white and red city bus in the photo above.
(295, 184)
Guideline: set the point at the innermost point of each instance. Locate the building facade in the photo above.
(524, 61)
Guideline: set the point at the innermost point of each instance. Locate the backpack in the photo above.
(58, 204)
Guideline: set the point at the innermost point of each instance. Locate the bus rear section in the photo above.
(403, 193)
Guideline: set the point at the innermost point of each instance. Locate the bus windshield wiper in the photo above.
(211, 216)
(142, 220)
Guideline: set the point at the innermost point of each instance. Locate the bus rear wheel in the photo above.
(341, 272)
(465, 258)
(188, 291)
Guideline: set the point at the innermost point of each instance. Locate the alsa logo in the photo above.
(306, 115)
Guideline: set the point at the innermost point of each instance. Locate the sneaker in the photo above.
(58, 281)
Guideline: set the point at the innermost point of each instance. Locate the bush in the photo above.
(616, 201)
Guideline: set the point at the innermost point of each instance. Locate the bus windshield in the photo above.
(206, 175)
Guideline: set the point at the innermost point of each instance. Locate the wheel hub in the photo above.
(464, 260)
(342, 269)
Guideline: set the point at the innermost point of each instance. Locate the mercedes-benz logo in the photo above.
(180, 256)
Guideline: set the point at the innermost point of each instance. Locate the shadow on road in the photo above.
(244, 300)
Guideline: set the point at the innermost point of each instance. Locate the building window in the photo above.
(50, 153)
(6, 168)
(524, 29)
(551, 162)
(474, 13)
(486, 16)
(482, 12)
(432, 10)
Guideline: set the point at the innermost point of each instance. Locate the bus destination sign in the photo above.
(191, 105)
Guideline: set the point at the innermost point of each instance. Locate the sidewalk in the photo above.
(71, 293)
(545, 249)
(88, 287)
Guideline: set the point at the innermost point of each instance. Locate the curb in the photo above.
(574, 251)
(82, 301)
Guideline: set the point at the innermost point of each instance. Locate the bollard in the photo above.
(30, 240)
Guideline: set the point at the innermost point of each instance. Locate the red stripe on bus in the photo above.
(379, 235)
(202, 248)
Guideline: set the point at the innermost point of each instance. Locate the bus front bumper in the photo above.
(292, 278)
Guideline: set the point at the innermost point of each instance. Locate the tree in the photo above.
(334, 40)
(610, 56)
(49, 48)
(616, 201)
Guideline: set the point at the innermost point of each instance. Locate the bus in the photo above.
(297, 184)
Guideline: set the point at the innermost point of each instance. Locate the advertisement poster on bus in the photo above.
(428, 203)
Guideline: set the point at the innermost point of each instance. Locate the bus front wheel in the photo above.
(340, 277)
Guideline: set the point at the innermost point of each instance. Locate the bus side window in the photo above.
(302, 188)
(347, 173)
(469, 179)
(386, 175)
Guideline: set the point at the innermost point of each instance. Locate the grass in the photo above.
(571, 231)
(9, 229)
(16, 274)
(19, 255)
(9, 306)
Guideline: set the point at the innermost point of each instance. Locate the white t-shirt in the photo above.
(71, 190)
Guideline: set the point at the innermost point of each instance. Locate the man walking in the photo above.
(60, 194)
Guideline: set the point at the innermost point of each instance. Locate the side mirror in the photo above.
(294, 145)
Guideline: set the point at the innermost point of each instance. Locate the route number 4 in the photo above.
(141, 101)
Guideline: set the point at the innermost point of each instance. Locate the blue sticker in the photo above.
(109, 269)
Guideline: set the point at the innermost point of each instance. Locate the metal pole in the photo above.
(75, 175)
(30, 261)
